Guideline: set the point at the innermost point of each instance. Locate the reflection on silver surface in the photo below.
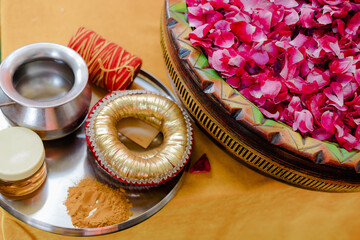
(68, 161)
(43, 79)
(49, 84)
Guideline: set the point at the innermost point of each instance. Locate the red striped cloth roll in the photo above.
(110, 66)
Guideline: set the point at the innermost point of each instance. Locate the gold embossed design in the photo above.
(149, 167)
(23, 188)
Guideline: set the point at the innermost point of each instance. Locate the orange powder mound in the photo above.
(92, 204)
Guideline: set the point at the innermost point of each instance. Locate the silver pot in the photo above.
(44, 88)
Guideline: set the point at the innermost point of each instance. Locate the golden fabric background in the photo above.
(230, 202)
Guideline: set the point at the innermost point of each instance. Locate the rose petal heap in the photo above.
(298, 61)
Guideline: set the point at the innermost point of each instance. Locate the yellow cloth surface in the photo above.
(230, 202)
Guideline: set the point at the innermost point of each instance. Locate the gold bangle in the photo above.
(142, 168)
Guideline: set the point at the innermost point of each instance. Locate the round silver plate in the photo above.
(68, 161)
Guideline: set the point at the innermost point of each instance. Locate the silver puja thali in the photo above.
(69, 161)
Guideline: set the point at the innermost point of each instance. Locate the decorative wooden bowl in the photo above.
(270, 147)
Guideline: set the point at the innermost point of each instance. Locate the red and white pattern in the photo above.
(110, 66)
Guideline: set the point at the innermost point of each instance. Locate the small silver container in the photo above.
(44, 87)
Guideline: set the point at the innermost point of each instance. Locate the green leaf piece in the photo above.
(202, 62)
(180, 17)
(212, 74)
(340, 153)
(258, 116)
(273, 123)
(180, 7)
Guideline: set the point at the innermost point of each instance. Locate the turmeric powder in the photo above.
(92, 204)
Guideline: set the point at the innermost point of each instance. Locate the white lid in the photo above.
(21, 153)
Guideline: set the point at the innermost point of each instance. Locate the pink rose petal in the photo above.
(328, 120)
(234, 81)
(321, 134)
(303, 121)
(270, 88)
(196, 21)
(200, 32)
(348, 141)
(224, 39)
(316, 104)
(262, 19)
(325, 19)
(341, 65)
(255, 91)
(201, 43)
(357, 76)
(200, 9)
(261, 58)
(306, 16)
(222, 25)
(299, 41)
(243, 30)
(291, 17)
(286, 3)
(295, 56)
(268, 114)
(318, 76)
(285, 71)
(353, 25)
(331, 2)
(335, 94)
(201, 166)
